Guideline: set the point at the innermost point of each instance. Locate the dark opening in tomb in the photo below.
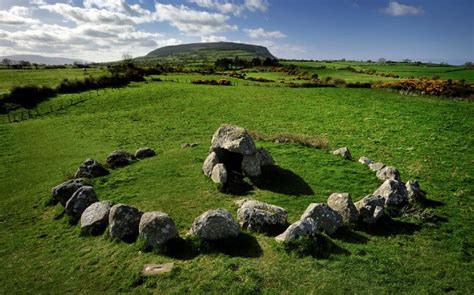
(236, 184)
(232, 161)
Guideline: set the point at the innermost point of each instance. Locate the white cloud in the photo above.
(231, 7)
(260, 33)
(213, 38)
(254, 5)
(397, 9)
(17, 15)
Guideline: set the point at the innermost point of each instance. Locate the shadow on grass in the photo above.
(282, 181)
(319, 246)
(345, 234)
(387, 226)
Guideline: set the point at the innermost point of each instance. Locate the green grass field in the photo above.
(428, 139)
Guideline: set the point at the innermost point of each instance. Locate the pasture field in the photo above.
(428, 139)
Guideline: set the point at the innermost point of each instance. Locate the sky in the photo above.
(105, 30)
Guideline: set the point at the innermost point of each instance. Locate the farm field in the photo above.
(428, 139)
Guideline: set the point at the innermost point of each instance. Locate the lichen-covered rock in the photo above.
(262, 217)
(343, 152)
(394, 192)
(388, 173)
(215, 225)
(157, 228)
(145, 152)
(120, 158)
(376, 166)
(62, 192)
(414, 193)
(370, 208)
(251, 165)
(82, 198)
(327, 219)
(211, 161)
(234, 139)
(124, 222)
(265, 158)
(90, 168)
(342, 204)
(95, 218)
(219, 174)
(364, 160)
(307, 227)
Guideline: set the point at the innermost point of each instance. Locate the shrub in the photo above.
(358, 85)
(28, 96)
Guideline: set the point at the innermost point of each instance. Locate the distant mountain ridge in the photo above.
(212, 50)
(39, 59)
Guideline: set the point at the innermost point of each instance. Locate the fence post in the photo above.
(9, 121)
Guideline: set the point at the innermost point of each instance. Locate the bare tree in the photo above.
(7, 62)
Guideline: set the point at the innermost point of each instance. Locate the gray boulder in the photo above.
(251, 165)
(370, 208)
(376, 166)
(343, 152)
(90, 168)
(302, 228)
(211, 161)
(145, 152)
(414, 193)
(265, 158)
(124, 222)
(394, 192)
(62, 192)
(120, 158)
(342, 204)
(95, 218)
(262, 217)
(82, 198)
(233, 139)
(364, 160)
(327, 219)
(157, 228)
(215, 225)
(388, 173)
(219, 174)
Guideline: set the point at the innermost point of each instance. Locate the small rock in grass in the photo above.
(327, 219)
(219, 174)
(343, 152)
(388, 173)
(414, 193)
(124, 222)
(370, 208)
(185, 145)
(262, 217)
(364, 160)
(80, 200)
(376, 166)
(215, 225)
(157, 228)
(156, 269)
(95, 218)
(64, 191)
(394, 192)
(145, 152)
(120, 158)
(90, 168)
(302, 228)
(342, 204)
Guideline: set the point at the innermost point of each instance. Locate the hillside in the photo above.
(39, 59)
(206, 52)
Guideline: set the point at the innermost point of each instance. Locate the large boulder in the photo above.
(342, 204)
(90, 168)
(262, 217)
(157, 228)
(211, 161)
(145, 152)
(95, 218)
(302, 228)
(343, 152)
(364, 160)
(215, 225)
(376, 166)
(233, 139)
(394, 192)
(370, 208)
(414, 193)
(120, 158)
(388, 173)
(266, 158)
(62, 192)
(327, 219)
(82, 198)
(124, 222)
(219, 174)
(251, 165)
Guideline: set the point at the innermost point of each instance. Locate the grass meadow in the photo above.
(428, 139)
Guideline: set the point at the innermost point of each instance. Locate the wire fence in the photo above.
(233, 83)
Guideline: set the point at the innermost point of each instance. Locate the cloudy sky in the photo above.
(103, 30)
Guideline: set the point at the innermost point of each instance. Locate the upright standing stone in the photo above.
(262, 217)
(62, 192)
(327, 219)
(157, 228)
(80, 200)
(342, 204)
(124, 222)
(215, 225)
(95, 218)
